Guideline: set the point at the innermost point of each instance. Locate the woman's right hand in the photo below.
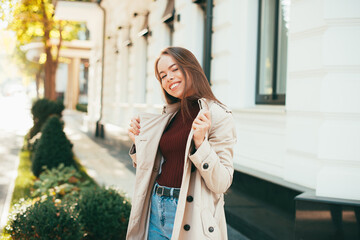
(134, 128)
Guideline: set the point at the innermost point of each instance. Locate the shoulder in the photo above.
(220, 108)
(220, 113)
(222, 120)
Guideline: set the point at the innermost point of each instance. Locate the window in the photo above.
(207, 7)
(168, 18)
(272, 51)
(142, 61)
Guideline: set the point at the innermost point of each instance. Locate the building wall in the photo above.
(311, 142)
(323, 127)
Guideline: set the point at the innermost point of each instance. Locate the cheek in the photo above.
(162, 84)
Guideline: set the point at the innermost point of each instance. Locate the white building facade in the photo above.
(289, 70)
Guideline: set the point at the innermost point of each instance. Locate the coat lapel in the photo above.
(152, 128)
(186, 178)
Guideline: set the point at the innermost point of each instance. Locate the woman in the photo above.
(183, 157)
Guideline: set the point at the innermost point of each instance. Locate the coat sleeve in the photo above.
(214, 157)
(132, 153)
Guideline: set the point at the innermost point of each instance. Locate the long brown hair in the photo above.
(191, 69)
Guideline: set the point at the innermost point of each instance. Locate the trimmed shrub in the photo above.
(53, 147)
(60, 181)
(81, 107)
(41, 110)
(104, 214)
(45, 220)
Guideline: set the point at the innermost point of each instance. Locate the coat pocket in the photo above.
(140, 144)
(210, 227)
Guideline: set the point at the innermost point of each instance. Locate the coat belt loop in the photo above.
(200, 104)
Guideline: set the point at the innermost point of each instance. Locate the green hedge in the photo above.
(41, 110)
(53, 147)
(104, 213)
(45, 220)
(81, 107)
(60, 182)
(63, 202)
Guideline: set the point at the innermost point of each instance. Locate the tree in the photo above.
(33, 20)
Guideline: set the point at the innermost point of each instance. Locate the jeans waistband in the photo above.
(166, 191)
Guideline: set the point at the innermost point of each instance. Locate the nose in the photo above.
(170, 77)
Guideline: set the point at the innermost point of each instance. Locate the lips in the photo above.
(174, 85)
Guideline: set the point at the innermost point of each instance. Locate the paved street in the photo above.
(15, 121)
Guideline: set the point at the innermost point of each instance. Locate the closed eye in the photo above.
(163, 76)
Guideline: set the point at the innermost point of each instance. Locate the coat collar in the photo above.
(171, 108)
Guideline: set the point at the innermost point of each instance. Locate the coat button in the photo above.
(187, 227)
(211, 229)
(189, 198)
(205, 166)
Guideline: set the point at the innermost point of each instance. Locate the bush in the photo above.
(45, 220)
(41, 110)
(104, 214)
(60, 181)
(53, 147)
(81, 107)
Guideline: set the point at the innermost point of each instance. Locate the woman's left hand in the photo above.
(201, 125)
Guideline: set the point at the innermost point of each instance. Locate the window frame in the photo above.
(274, 98)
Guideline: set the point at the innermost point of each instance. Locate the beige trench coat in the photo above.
(207, 175)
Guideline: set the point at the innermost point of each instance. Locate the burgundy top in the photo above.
(172, 146)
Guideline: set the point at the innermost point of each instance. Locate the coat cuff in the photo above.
(132, 153)
(200, 157)
(132, 149)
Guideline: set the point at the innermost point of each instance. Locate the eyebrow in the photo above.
(168, 68)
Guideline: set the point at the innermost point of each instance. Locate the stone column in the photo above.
(72, 90)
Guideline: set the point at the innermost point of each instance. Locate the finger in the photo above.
(133, 125)
(134, 131)
(132, 137)
(199, 127)
(205, 116)
(197, 121)
(136, 122)
(202, 117)
(130, 131)
(131, 134)
(195, 126)
(205, 124)
(205, 119)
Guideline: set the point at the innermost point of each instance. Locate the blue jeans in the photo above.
(162, 216)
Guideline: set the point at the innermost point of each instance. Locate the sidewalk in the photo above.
(107, 165)
(15, 121)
